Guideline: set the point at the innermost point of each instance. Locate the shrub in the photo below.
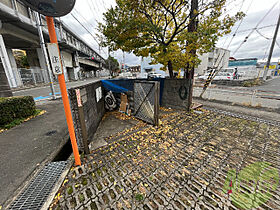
(16, 108)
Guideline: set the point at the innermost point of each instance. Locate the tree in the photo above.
(112, 64)
(160, 29)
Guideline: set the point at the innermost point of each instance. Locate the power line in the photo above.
(93, 9)
(239, 22)
(84, 18)
(247, 37)
(263, 35)
(86, 30)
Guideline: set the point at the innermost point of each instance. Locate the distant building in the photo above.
(218, 58)
(146, 67)
(136, 68)
(274, 68)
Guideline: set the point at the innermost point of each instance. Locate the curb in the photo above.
(34, 173)
(59, 182)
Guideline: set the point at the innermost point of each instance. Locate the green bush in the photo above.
(16, 108)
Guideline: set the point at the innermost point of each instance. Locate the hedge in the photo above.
(14, 108)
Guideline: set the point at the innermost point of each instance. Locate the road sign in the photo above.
(55, 58)
(52, 8)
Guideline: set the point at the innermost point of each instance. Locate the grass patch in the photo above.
(252, 83)
(21, 120)
(139, 197)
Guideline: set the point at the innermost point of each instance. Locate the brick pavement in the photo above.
(182, 164)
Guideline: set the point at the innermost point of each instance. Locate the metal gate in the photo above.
(146, 101)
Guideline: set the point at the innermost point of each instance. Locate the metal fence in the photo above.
(146, 101)
(32, 76)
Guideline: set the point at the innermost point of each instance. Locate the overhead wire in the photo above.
(86, 30)
(247, 37)
(239, 22)
(88, 23)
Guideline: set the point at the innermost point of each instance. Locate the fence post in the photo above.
(33, 76)
(82, 121)
(156, 114)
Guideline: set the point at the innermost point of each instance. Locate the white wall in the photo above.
(212, 59)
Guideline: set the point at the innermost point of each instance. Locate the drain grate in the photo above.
(35, 194)
(245, 117)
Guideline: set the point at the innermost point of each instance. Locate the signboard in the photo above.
(98, 92)
(78, 95)
(52, 8)
(55, 58)
(270, 66)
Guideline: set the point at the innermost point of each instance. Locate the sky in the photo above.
(90, 12)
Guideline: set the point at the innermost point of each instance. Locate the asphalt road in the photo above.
(266, 95)
(270, 86)
(44, 92)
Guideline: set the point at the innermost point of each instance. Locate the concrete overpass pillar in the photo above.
(35, 66)
(7, 64)
(43, 64)
(14, 67)
(77, 67)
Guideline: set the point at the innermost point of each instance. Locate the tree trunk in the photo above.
(170, 69)
(192, 28)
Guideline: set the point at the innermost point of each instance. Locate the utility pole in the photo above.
(63, 90)
(44, 51)
(109, 60)
(192, 27)
(271, 49)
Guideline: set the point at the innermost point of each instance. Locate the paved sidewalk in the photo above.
(44, 92)
(189, 162)
(27, 147)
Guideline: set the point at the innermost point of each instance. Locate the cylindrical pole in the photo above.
(64, 95)
(271, 48)
(44, 51)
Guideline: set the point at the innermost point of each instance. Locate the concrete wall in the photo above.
(175, 93)
(93, 110)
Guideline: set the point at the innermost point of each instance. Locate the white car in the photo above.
(153, 75)
(223, 76)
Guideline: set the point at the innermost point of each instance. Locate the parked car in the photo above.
(153, 75)
(224, 74)
(126, 75)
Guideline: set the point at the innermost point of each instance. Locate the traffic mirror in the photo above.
(51, 8)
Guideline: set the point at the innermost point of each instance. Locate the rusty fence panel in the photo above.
(146, 101)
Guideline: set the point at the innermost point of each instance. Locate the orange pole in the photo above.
(64, 95)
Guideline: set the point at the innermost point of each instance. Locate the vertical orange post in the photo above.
(64, 95)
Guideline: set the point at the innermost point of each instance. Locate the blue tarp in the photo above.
(113, 87)
(124, 85)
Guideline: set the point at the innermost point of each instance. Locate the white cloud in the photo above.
(89, 12)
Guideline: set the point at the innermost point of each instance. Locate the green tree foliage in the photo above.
(159, 28)
(112, 64)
